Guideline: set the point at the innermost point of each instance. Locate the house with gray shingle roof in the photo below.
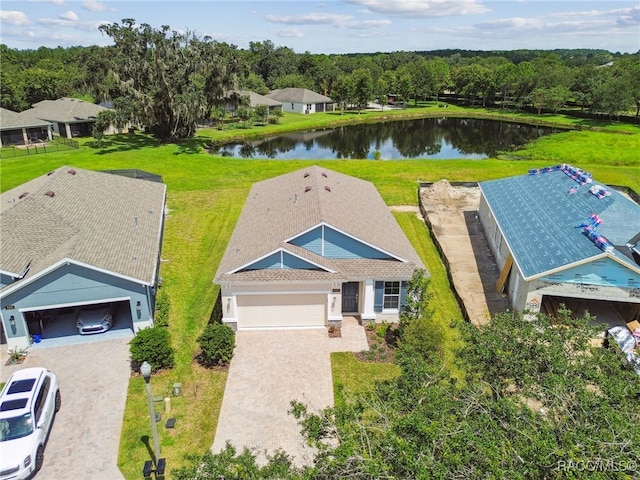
(22, 128)
(312, 246)
(73, 238)
(254, 100)
(562, 238)
(301, 100)
(70, 117)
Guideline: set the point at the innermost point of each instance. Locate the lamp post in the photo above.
(145, 370)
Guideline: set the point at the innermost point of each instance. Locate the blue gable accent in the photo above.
(604, 272)
(5, 280)
(281, 260)
(336, 245)
(312, 241)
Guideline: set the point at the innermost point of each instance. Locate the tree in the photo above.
(343, 91)
(362, 88)
(261, 113)
(244, 114)
(170, 79)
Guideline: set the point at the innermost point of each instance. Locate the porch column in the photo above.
(25, 136)
(367, 305)
(67, 129)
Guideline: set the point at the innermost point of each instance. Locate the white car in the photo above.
(28, 403)
(96, 318)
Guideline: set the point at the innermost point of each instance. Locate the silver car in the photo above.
(28, 403)
(94, 319)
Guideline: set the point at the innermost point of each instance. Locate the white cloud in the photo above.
(14, 17)
(338, 21)
(290, 33)
(93, 6)
(54, 2)
(422, 8)
(68, 16)
(309, 19)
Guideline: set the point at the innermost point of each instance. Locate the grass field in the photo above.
(206, 194)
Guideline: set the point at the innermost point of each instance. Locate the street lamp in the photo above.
(145, 370)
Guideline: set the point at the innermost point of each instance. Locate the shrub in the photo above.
(152, 345)
(217, 343)
(161, 318)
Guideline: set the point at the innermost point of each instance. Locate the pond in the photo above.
(432, 138)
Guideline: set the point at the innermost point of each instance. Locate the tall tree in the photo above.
(171, 79)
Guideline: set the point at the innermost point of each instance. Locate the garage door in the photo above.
(265, 311)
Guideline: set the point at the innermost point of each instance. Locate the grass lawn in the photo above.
(205, 196)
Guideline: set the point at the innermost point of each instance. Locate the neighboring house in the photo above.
(70, 117)
(73, 238)
(22, 128)
(301, 100)
(310, 247)
(255, 99)
(560, 237)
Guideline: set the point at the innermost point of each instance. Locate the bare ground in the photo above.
(452, 213)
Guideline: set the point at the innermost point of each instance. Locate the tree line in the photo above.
(169, 80)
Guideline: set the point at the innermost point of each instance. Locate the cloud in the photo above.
(54, 2)
(290, 33)
(309, 19)
(14, 17)
(422, 8)
(93, 6)
(68, 16)
(338, 21)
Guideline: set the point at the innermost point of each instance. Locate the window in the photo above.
(41, 399)
(391, 299)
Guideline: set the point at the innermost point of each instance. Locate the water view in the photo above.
(433, 138)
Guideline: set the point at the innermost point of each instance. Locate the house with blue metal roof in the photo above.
(561, 237)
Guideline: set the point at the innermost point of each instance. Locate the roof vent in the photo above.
(306, 174)
(307, 189)
(72, 172)
(327, 188)
(23, 195)
(50, 193)
(51, 172)
(324, 174)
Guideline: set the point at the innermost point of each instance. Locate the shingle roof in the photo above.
(10, 120)
(298, 95)
(256, 99)
(283, 207)
(107, 221)
(539, 214)
(66, 110)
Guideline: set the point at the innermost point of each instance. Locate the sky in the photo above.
(338, 26)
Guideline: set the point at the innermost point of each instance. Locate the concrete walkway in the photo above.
(270, 368)
(85, 436)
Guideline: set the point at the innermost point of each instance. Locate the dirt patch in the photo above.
(452, 212)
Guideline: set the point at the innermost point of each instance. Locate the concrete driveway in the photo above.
(85, 436)
(270, 368)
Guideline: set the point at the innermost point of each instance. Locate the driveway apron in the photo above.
(85, 436)
(270, 368)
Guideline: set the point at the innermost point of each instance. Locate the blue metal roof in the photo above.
(539, 215)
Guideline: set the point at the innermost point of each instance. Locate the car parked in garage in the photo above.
(96, 318)
(28, 404)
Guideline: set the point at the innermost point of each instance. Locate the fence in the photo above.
(58, 144)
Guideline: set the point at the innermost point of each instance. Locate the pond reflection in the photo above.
(435, 138)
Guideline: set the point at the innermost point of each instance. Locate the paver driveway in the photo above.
(85, 436)
(270, 368)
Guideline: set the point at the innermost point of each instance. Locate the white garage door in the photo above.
(265, 311)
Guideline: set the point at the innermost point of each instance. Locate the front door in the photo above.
(350, 297)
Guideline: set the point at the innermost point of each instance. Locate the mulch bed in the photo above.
(381, 348)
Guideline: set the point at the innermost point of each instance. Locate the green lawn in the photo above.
(205, 196)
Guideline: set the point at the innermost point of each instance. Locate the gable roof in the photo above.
(282, 208)
(11, 120)
(256, 99)
(539, 216)
(107, 221)
(66, 110)
(298, 95)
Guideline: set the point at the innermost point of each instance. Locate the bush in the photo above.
(152, 345)
(161, 318)
(217, 343)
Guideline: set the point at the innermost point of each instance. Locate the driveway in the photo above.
(270, 368)
(85, 436)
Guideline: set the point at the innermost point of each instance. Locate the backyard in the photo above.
(205, 196)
